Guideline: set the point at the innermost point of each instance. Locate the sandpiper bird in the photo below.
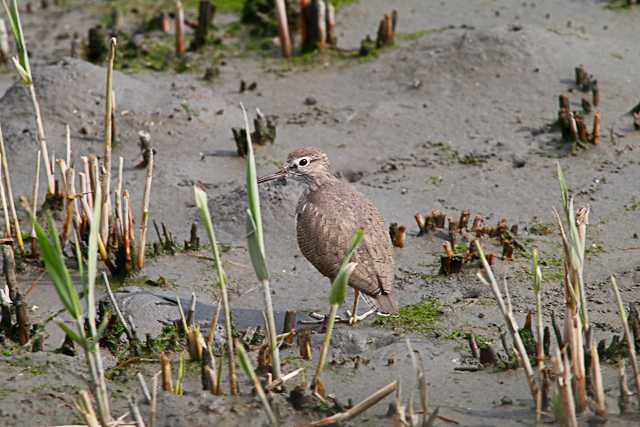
(328, 214)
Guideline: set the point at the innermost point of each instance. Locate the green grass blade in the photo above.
(104, 323)
(205, 216)
(338, 293)
(245, 364)
(257, 256)
(16, 28)
(72, 334)
(92, 259)
(24, 75)
(181, 375)
(564, 191)
(355, 242)
(54, 264)
(252, 186)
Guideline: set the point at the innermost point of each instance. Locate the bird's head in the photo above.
(307, 165)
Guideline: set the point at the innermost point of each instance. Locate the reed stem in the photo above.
(34, 207)
(108, 140)
(145, 213)
(283, 28)
(316, 385)
(12, 205)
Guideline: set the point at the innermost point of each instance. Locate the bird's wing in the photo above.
(327, 221)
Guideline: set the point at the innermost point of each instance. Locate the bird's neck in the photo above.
(315, 181)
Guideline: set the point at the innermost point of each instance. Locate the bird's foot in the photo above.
(319, 318)
(355, 318)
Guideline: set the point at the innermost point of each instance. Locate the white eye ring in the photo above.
(303, 162)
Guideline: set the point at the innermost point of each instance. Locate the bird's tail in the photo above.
(384, 303)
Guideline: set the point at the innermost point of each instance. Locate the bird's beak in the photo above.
(280, 174)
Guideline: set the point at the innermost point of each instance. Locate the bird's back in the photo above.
(327, 218)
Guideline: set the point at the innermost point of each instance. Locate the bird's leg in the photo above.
(320, 318)
(353, 316)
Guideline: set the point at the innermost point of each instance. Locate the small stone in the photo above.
(211, 73)
(310, 100)
(85, 130)
(519, 162)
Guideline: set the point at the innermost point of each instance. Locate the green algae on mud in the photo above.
(420, 318)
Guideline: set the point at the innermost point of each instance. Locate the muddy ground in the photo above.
(457, 116)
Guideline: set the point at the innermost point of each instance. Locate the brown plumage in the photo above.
(328, 214)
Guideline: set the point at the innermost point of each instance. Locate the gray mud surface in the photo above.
(457, 116)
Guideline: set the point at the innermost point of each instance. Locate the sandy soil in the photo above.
(476, 79)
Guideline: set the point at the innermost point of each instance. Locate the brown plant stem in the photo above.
(34, 207)
(108, 139)
(145, 213)
(165, 365)
(595, 135)
(12, 205)
(5, 209)
(283, 28)
(596, 381)
(69, 206)
(562, 371)
(510, 322)
(180, 45)
(358, 408)
(42, 140)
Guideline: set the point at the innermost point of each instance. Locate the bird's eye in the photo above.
(303, 162)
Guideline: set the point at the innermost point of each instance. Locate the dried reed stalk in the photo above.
(34, 207)
(43, 140)
(510, 322)
(119, 223)
(165, 365)
(562, 370)
(537, 289)
(12, 205)
(275, 384)
(596, 381)
(577, 316)
(145, 213)
(108, 140)
(85, 407)
(283, 28)
(154, 400)
(69, 205)
(5, 209)
(180, 45)
(418, 366)
(358, 408)
(135, 412)
(143, 387)
(68, 144)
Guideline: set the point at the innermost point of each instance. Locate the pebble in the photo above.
(519, 162)
(310, 100)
